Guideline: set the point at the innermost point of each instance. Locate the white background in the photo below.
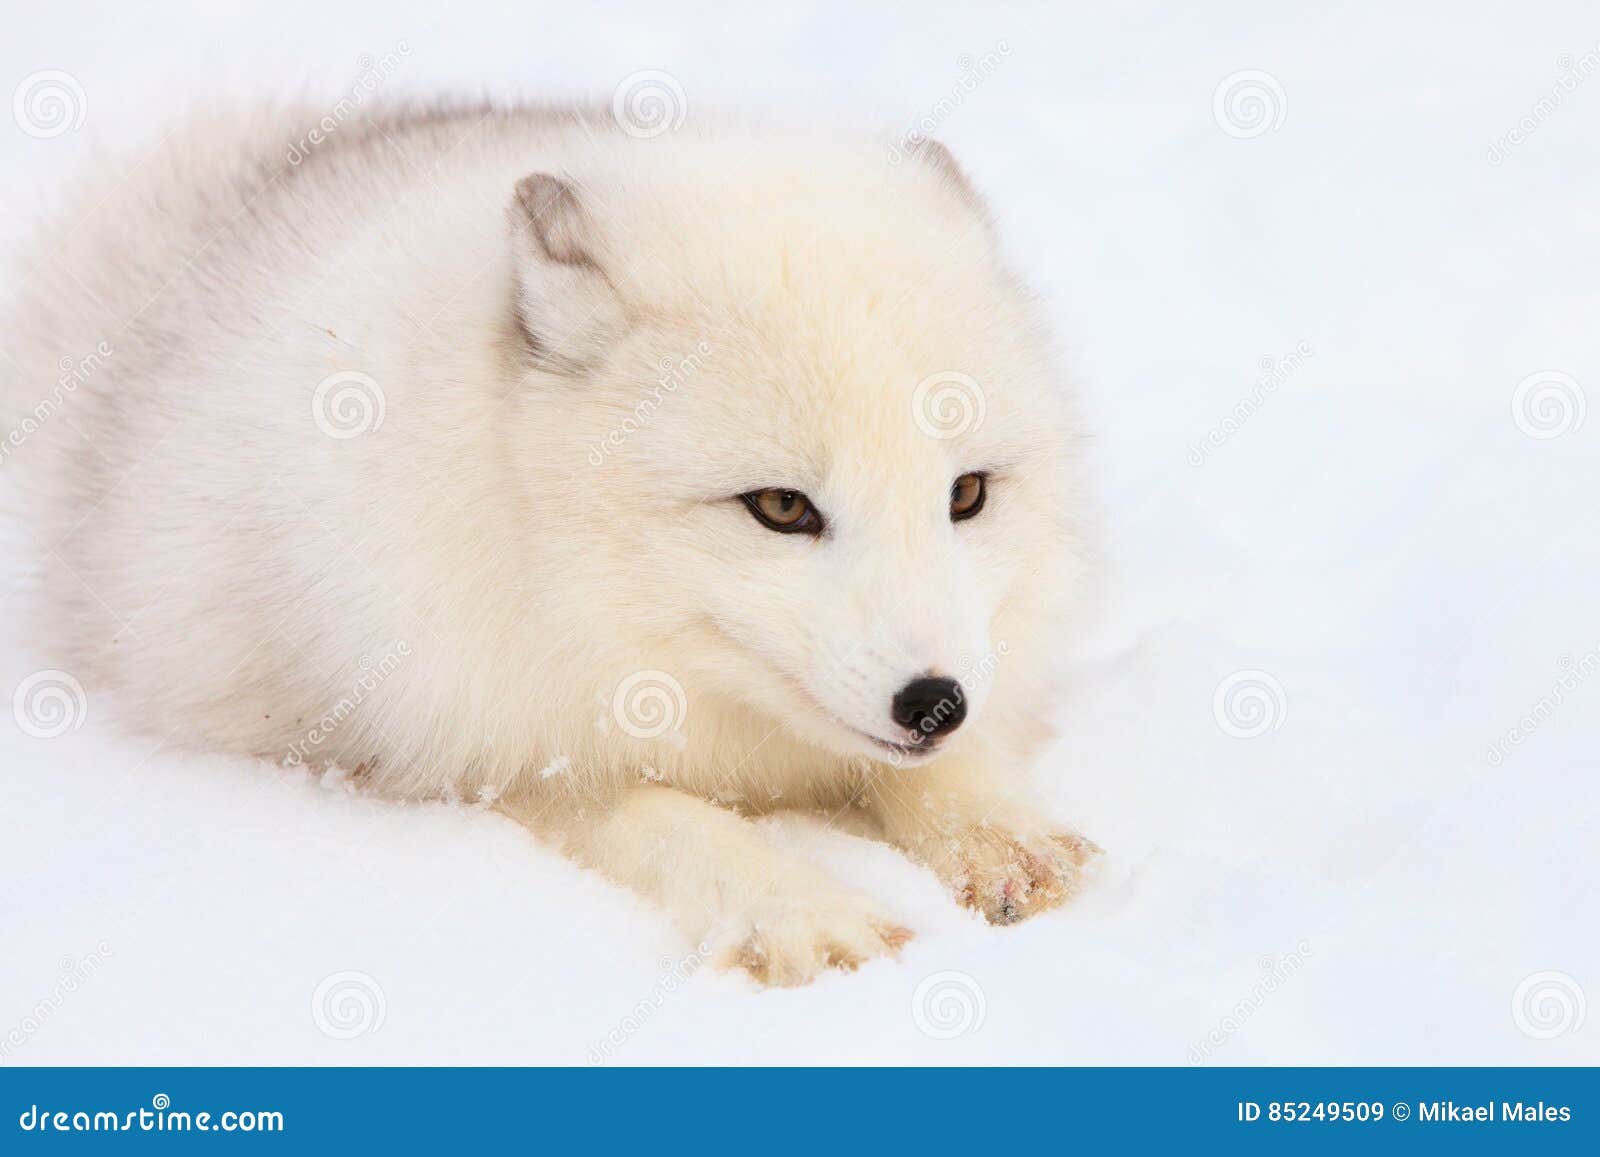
(1382, 537)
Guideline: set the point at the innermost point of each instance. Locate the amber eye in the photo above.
(966, 496)
(786, 511)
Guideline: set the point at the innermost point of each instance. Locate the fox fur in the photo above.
(418, 451)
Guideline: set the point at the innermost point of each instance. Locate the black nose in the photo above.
(930, 706)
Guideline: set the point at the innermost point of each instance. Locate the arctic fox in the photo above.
(638, 485)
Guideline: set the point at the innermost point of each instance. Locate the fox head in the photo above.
(810, 435)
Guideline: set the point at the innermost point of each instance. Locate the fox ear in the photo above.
(566, 305)
(943, 162)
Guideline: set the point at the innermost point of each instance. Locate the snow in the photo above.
(1324, 859)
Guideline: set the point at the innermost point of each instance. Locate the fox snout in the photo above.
(930, 707)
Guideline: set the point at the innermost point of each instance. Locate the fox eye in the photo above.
(786, 511)
(966, 496)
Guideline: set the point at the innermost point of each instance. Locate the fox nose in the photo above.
(930, 706)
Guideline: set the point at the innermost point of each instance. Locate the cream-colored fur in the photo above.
(421, 455)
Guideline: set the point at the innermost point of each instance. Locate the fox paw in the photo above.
(1008, 877)
(788, 941)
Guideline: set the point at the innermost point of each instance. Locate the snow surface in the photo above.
(1381, 537)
